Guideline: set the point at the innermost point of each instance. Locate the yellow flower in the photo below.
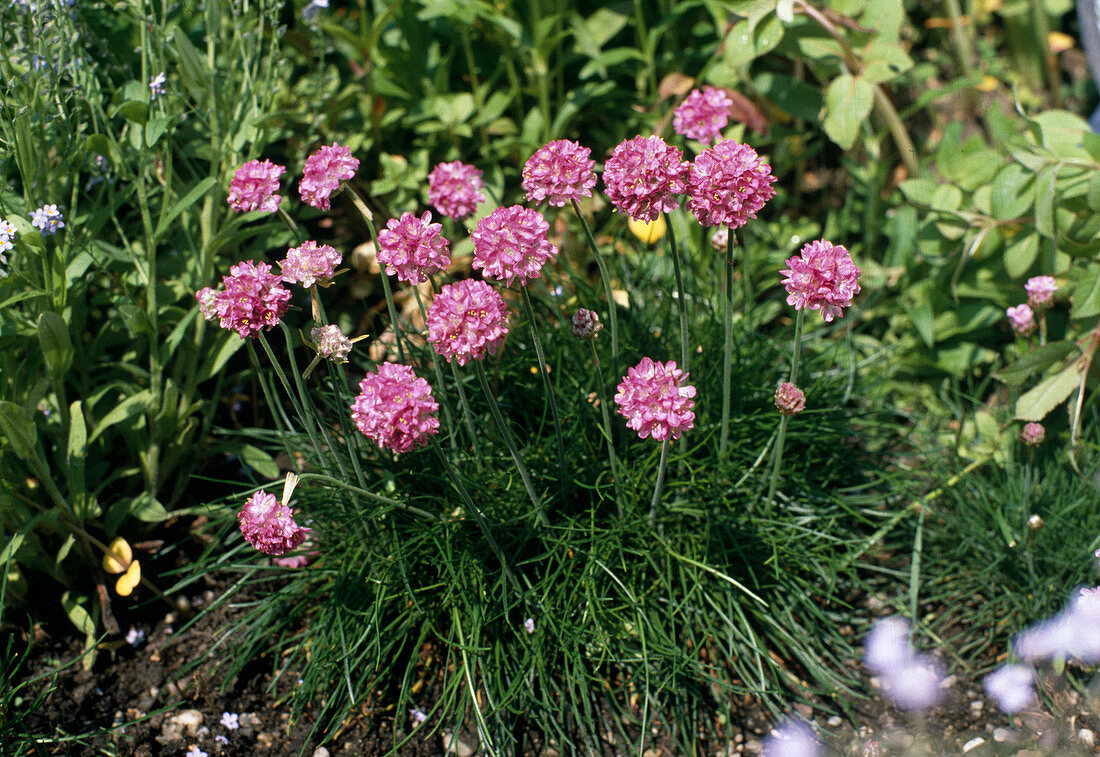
(119, 558)
(649, 232)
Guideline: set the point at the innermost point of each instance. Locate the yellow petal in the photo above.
(119, 556)
(1059, 42)
(129, 580)
(647, 231)
(988, 84)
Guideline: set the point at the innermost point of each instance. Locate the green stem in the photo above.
(298, 409)
(727, 349)
(368, 218)
(785, 419)
(563, 470)
(612, 458)
(660, 484)
(368, 494)
(605, 275)
(448, 416)
(681, 295)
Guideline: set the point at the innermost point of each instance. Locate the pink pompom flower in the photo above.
(789, 399)
(309, 264)
(1033, 434)
(268, 524)
(643, 176)
(1022, 318)
(466, 320)
(511, 243)
(413, 248)
(703, 114)
(454, 189)
(729, 184)
(253, 299)
(395, 408)
(1040, 291)
(323, 172)
(655, 400)
(331, 343)
(207, 299)
(255, 186)
(559, 172)
(821, 277)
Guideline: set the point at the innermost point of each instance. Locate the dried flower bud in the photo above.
(1035, 522)
(790, 399)
(586, 324)
(1033, 434)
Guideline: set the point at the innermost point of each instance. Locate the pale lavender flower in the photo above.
(156, 86)
(220, 739)
(134, 637)
(194, 751)
(792, 739)
(529, 625)
(887, 645)
(230, 720)
(1010, 686)
(916, 685)
(47, 219)
(1040, 291)
(417, 715)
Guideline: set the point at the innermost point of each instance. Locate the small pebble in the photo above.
(973, 744)
(977, 705)
(1087, 737)
(320, 752)
(834, 722)
(1001, 735)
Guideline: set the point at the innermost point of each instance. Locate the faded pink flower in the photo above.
(558, 172)
(729, 184)
(789, 399)
(466, 320)
(703, 114)
(1040, 291)
(1033, 434)
(255, 186)
(643, 175)
(454, 189)
(413, 248)
(1022, 319)
(511, 243)
(323, 172)
(310, 264)
(395, 408)
(586, 324)
(1011, 687)
(207, 298)
(269, 526)
(720, 239)
(253, 300)
(912, 680)
(655, 401)
(331, 342)
(821, 277)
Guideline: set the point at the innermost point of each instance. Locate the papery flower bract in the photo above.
(792, 739)
(586, 324)
(1040, 291)
(510, 243)
(207, 298)
(719, 240)
(253, 300)
(323, 172)
(454, 189)
(255, 186)
(821, 277)
(309, 264)
(331, 342)
(1022, 318)
(395, 408)
(47, 219)
(729, 184)
(789, 399)
(1033, 434)
(1011, 687)
(413, 248)
(466, 320)
(655, 401)
(703, 114)
(643, 175)
(269, 526)
(559, 172)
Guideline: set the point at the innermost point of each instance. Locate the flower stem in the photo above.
(435, 366)
(727, 348)
(681, 294)
(605, 275)
(660, 484)
(298, 409)
(524, 475)
(785, 419)
(368, 218)
(368, 494)
(612, 458)
(563, 471)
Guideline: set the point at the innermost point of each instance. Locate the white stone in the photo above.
(1001, 735)
(1087, 737)
(320, 752)
(454, 745)
(834, 722)
(973, 744)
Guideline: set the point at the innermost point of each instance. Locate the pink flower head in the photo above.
(703, 114)
(255, 186)
(558, 172)
(511, 243)
(1010, 686)
(655, 401)
(395, 408)
(466, 320)
(269, 526)
(253, 300)
(822, 277)
(310, 264)
(454, 189)
(729, 184)
(1033, 434)
(323, 172)
(413, 248)
(1022, 319)
(207, 299)
(331, 342)
(586, 324)
(910, 679)
(643, 175)
(1070, 633)
(1040, 291)
(789, 399)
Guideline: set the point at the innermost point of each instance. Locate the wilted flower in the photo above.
(821, 277)
(466, 320)
(323, 172)
(253, 300)
(47, 219)
(207, 298)
(395, 408)
(655, 401)
(309, 264)
(1010, 686)
(1022, 318)
(729, 184)
(586, 324)
(558, 172)
(255, 186)
(268, 525)
(789, 399)
(703, 114)
(511, 243)
(720, 239)
(1040, 291)
(792, 739)
(156, 86)
(331, 342)
(643, 175)
(1033, 434)
(413, 248)
(454, 189)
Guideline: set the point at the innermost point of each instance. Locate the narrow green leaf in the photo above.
(19, 429)
(57, 347)
(78, 444)
(188, 200)
(1050, 392)
(77, 614)
(128, 408)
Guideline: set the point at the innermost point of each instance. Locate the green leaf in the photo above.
(77, 614)
(1086, 295)
(848, 102)
(19, 429)
(796, 97)
(259, 461)
(78, 445)
(188, 200)
(1020, 254)
(918, 191)
(1051, 392)
(919, 309)
(154, 129)
(128, 408)
(1013, 192)
(1044, 202)
(1092, 196)
(1036, 360)
(229, 343)
(133, 111)
(57, 347)
(145, 507)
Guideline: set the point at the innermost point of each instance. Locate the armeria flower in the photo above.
(729, 184)
(703, 114)
(310, 264)
(413, 248)
(792, 739)
(323, 172)
(395, 408)
(208, 298)
(1040, 291)
(454, 189)
(586, 324)
(912, 680)
(559, 172)
(511, 243)
(789, 399)
(1011, 687)
(47, 219)
(1033, 434)
(821, 277)
(230, 720)
(156, 86)
(887, 647)
(643, 175)
(1022, 319)
(1070, 633)
(655, 401)
(268, 525)
(466, 320)
(255, 186)
(253, 300)
(720, 239)
(331, 342)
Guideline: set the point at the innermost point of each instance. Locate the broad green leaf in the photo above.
(128, 408)
(1036, 360)
(57, 347)
(188, 200)
(77, 614)
(1044, 202)
(1086, 295)
(796, 97)
(135, 111)
(918, 191)
(1020, 254)
(1050, 392)
(1013, 192)
(919, 308)
(19, 429)
(145, 507)
(259, 461)
(228, 344)
(1092, 196)
(848, 102)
